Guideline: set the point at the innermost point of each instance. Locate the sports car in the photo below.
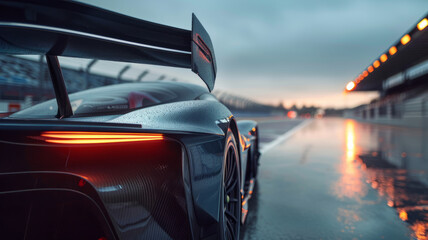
(146, 160)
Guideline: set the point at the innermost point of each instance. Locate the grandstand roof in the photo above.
(410, 50)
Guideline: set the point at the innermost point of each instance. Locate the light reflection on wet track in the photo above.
(341, 179)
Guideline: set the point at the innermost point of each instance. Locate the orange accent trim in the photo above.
(204, 51)
(202, 55)
(403, 215)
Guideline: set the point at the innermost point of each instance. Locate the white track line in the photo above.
(284, 136)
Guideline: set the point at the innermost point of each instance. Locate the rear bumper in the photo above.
(51, 206)
(117, 191)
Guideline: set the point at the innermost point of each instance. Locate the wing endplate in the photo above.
(203, 58)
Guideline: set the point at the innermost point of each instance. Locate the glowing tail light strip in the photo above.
(70, 137)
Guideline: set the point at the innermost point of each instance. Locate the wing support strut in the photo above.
(64, 106)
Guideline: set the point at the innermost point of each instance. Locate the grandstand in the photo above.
(400, 75)
(25, 82)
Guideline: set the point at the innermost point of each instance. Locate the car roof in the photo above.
(118, 99)
(183, 91)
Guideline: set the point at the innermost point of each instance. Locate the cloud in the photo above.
(306, 47)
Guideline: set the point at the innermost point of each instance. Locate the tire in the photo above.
(255, 154)
(254, 163)
(230, 202)
(253, 160)
(249, 174)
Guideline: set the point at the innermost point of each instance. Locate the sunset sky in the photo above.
(296, 52)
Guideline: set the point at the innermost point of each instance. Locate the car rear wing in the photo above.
(65, 28)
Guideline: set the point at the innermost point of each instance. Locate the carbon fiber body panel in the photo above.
(139, 186)
(168, 189)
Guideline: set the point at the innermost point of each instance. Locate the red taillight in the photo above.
(70, 137)
(81, 183)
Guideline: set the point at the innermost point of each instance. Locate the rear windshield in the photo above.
(104, 100)
(95, 87)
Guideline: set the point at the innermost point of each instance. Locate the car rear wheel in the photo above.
(231, 200)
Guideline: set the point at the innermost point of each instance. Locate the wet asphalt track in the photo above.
(340, 179)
